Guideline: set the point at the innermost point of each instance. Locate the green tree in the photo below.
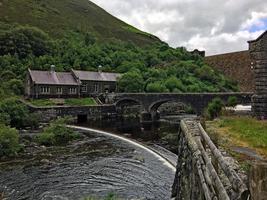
(232, 101)
(15, 111)
(214, 108)
(9, 141)
(131, 82)
(173, 83)
(15, 86)
(156, 87)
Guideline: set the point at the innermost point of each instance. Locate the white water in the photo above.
(159, 157)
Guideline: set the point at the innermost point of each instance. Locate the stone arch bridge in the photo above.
(150, 102)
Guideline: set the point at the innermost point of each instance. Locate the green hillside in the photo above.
(55, 17)
(78, 34)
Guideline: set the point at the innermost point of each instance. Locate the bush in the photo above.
(16, 112)
(232, 101)
(214, 108)
(9, 141)
(57, 133)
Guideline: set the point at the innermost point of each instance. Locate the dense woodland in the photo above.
(155, 68)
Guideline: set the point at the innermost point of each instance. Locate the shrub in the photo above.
(16, 111)
(57, 133)
(9, 141)
(214, 108)
(232, 101)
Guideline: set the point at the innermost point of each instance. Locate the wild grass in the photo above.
(242, 131)
(80, 16)
(67, 102)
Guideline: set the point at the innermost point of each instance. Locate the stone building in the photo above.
(74, 84)
(258, 54)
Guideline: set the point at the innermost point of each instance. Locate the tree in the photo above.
(232, 101)
(15, 86)
(23, 41)
(15, 111)
(173, 83)
(9, 141)
(89, 39)
(215, 108)
(131, 82)
(156, 87)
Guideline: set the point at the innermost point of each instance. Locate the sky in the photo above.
(216, 26)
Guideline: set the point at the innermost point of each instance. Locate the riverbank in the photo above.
(243, 137)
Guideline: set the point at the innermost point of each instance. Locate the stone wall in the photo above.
(258, 52)
(236, 66)
(92, 112)
(202, 171)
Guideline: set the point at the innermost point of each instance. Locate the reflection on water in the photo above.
(111, 166)
(131, 127)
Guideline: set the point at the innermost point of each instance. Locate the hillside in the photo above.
(57, 17)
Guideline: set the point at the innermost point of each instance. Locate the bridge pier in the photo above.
(149, 117)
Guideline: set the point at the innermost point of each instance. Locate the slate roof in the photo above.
(53, 78)
(96, 76)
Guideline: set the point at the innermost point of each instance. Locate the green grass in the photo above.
(57, 17)
(67, 102)
(240, 131)
(80, 102)
(42, 102)
(248, 129)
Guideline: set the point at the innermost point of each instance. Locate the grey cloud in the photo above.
(214, 25)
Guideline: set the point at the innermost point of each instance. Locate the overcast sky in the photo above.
(216, 26)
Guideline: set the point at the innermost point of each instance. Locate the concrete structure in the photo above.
(150, 102)
(74, 84)
(197, 177)
(258, 53)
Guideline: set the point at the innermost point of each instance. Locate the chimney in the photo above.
(100, 69)
(52, 68)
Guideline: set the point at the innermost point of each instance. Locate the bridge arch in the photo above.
(127, 101)
(155, 105)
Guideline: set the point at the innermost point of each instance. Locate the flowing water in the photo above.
(111, 165)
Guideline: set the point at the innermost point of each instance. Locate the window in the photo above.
(73, 91)
(59, 90)
(96, 88)
(45, 90)
(84, 88)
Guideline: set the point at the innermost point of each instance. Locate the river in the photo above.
(109, 165)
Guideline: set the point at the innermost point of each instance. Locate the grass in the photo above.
(242, 131)
(80, 16)
(42, 102)
(80, 102)
(67, 102)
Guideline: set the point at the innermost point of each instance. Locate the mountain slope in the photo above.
(56, 17)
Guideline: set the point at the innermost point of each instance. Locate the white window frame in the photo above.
(59, 90)
(45, 90)
(72, 90)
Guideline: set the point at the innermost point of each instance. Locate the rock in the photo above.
(258, 181)
(43, 148)
(45, 161)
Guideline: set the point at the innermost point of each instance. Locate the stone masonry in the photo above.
(258, 53)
